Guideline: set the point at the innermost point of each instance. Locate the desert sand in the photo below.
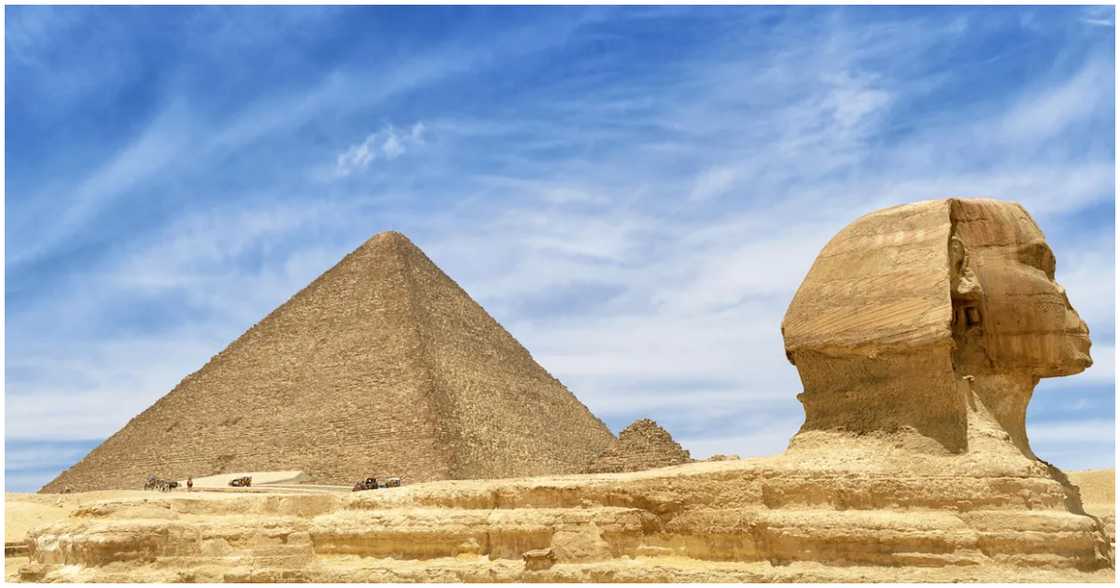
(1098, 494)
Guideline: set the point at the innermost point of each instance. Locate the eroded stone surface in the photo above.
(747, 520)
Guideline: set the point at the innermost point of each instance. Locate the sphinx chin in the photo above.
(1080, 363)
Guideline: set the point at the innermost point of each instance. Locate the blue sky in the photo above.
(634, 193)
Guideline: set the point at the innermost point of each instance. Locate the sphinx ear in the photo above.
(967, 297)
(962, 280)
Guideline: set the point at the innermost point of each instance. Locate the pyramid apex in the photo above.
(390, 237)
(388, 240)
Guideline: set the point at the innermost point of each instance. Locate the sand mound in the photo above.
(1098, 494)
(23, 512)
(1097, 486)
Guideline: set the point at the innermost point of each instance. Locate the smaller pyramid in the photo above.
(643, 445)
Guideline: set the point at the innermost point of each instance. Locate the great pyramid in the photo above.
(382, 366)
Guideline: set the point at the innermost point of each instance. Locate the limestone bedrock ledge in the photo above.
(804, 518)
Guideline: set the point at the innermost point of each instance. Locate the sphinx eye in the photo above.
(1038, 255)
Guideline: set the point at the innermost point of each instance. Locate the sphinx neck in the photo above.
(998, 406)
(918, 401)
(911, 400)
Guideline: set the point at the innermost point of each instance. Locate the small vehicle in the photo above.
(373, 484)
(242, 482)
(155, 483)
(367, 484)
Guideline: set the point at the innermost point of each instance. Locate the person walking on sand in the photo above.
(190, 483)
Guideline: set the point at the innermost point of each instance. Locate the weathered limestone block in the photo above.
(539, 559)
(580, 544)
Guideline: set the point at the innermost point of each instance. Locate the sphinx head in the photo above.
(910, 310)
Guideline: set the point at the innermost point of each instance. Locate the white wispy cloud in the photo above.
(713, 181)
(155, 151)
(770, 439)
(35, 457)
(172, 144)
(91, 394)
(1050, 111)
(387, 143)
(1073, 433)
(1099, 16)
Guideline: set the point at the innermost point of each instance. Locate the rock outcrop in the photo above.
(919, 334)
(758, 520)
(383, 366)
(641, 446)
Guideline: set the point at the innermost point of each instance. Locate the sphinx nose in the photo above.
(1072, 311)
(1065, 298)
(1075, 324)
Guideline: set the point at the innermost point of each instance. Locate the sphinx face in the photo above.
(1027, 321)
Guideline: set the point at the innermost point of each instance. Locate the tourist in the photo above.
(190, 483)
